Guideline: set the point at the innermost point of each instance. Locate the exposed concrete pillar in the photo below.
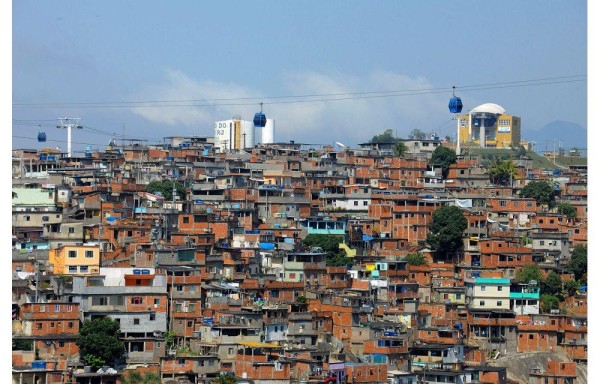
(482, 133)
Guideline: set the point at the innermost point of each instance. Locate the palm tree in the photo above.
(504, 172)
(400, 149)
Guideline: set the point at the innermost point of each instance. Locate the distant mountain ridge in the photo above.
(571, 134)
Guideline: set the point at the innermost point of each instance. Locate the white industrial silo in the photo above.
(248, 131)
(268, 132)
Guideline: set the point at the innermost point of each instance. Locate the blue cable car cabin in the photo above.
(41, 137)
(260, 120)
(455, 105)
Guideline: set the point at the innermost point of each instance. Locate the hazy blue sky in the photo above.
(117, 51)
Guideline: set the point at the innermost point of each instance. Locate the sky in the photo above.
(225, 57)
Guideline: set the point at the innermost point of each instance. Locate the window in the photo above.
(197, 219)
(181, 361)
(458, 296)
(38, 325)
(230, 351)
(530, 336)
(186, 219)
(498, 303)
(136, 321)
(499, 288)
(356, 203)
(89, 254)
(365, 203)
(152, 316)
(136, 300)
(72, 254)
(57, 308)
(72, 269)
(483, 288)
(482, 303)
(69, 308)
(70, 324)
(180, 288)
(71, 230)
(156, 301)
(190, 324)
(292, 275)
(83, 269)
(274, 294)
(61, 344)
(503, 203)
(52, 324)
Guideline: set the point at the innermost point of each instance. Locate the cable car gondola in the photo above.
(260, 120)
(41, 136)
(455, 105)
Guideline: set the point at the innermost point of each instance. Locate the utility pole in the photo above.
(69, 123)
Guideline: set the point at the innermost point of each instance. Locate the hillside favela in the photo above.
(231, 257)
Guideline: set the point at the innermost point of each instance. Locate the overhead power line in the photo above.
(308, 98)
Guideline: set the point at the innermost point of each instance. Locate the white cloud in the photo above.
(351, 121)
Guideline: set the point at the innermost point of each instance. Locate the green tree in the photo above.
(567, 209)
(571, 287)
(417, 134)
(444, 157)
(99, 342)
(385, 137)
(446, 229)
(521, 151)
(549, 302)
(400, 149)
(22, 345)
(552, 285)
(578, 263)
(165, 187)
(541, 191)
(503, 172)
(330, 244)
(225, 378)
(415, 258)
(529, 272)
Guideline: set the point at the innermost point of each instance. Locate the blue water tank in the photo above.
(137, 272)
(41, 137)
(145, 271)
(38, 364)
(51, 158)
(170, 158)
(455, 105)
(43, 157)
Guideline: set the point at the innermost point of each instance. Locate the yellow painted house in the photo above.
(75, 260)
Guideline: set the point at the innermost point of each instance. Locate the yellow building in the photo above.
(75, 260)
(488, 126)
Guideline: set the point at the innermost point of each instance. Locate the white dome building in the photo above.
(488, 126)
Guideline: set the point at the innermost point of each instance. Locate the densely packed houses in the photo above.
(291, 262)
